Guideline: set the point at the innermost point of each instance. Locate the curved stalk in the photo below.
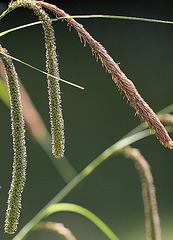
(115, 148)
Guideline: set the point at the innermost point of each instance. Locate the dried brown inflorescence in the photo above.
(148, 192)
(124, 84)
(58, 228)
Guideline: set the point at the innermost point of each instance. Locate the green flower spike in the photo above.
(18, 133)
(56, 118)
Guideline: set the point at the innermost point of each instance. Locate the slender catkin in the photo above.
(18, 133)
(56, 118)
(124, 84)
(148, 192)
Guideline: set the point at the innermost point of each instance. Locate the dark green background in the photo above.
(96, 117)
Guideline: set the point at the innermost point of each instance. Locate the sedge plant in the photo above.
(20, 103)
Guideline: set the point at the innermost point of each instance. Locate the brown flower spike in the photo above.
(148, 193)
(124, 84)
(58, 228)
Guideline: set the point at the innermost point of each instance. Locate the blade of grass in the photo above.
(143, 126)
(115, 148)
(168, 109)
(68, 207)
(64, 168)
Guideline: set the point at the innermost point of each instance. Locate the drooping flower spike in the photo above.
(18, 133)
(56, 117)
(124, 84)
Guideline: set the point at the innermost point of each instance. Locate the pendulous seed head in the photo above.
(18, 133)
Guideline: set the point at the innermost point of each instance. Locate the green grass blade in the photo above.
(82, 175)
(68, 207)
(64, 168)
(115, 148)
(142, 126)
(166, 110)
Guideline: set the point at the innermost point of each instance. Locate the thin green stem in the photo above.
(64, 168)
(82, 175)
(5, 13)
(120, 18)
(9, 9)
(38, 70)
(95, 16)
(115, 148)
(142, 126)
(68, 207)
(20, 27)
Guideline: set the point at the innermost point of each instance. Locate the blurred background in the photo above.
(95, 118)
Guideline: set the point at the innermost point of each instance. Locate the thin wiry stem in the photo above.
(43, 72)
(142, 126)
(78, 179)
(87, 17)
(70, 207)
(112, 150)
(148, 192)
(18, 133)
(56, 118)
(124, 84)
